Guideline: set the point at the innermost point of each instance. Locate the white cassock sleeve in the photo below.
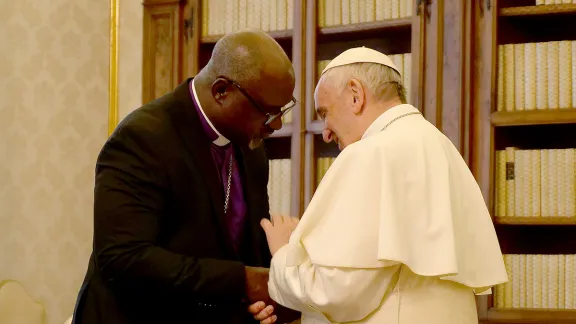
(340, 294)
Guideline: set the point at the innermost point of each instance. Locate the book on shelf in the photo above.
(220, 17)
(322, 166)
(537, 76)
(535, 183)
(538, 281)
(280, 186)
(344, 12)
(225, 16)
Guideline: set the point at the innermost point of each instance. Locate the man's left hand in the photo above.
(263, 313)
(278, 231)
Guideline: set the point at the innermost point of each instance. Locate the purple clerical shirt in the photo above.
(221, 155)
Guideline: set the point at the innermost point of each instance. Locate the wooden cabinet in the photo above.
(518, 122)
(449, 52)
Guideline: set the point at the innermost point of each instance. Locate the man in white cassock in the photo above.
(398, 231)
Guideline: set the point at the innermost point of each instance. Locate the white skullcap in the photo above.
(360, 55)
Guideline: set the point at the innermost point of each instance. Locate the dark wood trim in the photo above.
(483, 83)
(534, 117)
(452, 116)
(555, 9)
(277, 34)
(160, 2)
(311, 61)
(191, 25)
(360, 28)
(299, 49)
(525, 316)
(434, 36)
(418, 53)
(154, 11)
(467, 89)
(513, 220)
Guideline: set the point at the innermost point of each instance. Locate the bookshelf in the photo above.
(334, 26)
(524, 121)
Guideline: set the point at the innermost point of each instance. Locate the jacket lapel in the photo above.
(256, 202)
(187, 124)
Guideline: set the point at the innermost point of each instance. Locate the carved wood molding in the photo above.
(161, 44)
(162, 2)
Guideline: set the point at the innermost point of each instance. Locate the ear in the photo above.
(220, 90)
(358, 97)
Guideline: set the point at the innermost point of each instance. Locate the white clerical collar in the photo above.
(221, 140)
(387, 117)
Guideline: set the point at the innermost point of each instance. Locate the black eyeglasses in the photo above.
(271, 117)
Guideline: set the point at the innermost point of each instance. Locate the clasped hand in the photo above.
(278, 231)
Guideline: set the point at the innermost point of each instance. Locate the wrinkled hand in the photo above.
(257, 284)
(278, 231)
(263, 313)
(273, 313)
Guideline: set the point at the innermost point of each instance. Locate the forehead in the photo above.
(274, 93)
(322, 93)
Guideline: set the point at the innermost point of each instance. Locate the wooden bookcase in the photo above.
(497, 23)
(453, 81)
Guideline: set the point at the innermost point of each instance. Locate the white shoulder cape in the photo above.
(402, 195)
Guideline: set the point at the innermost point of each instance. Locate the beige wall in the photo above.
(53, 115)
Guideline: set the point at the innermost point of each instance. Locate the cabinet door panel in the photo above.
(162, 33)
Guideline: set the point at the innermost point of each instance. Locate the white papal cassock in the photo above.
(397, 233)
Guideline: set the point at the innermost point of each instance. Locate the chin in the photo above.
(255, 143)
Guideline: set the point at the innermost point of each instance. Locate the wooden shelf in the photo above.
(542, 10)
(277, 35)
(535, 220)
(360, 28)
(315, 127)
(285, 131)
(534, 117)
(514, 315)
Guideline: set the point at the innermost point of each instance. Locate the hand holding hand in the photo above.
(263, 313)
(278, 231)
(257, 284)
(273, 313)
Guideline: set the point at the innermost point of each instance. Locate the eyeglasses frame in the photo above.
(271, 117)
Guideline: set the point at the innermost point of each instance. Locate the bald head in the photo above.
(246, 109)
(250, 56)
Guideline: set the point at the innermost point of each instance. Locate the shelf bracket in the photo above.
(425, 4)
(488, 6)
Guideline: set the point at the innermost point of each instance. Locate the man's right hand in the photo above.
(261, 312)
(257, 284)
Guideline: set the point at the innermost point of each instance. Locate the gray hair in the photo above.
(377, 78)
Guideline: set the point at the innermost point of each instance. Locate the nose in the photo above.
(276, 124)
(327, 135)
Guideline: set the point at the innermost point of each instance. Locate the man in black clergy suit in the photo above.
(181, 187)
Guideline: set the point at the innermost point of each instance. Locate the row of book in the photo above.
(402, 61)
(550, 2)
(535, 183)
(537, 76)
(344, 12)
(538, 281)
(322, 166)
(225, 16)
(279, 186)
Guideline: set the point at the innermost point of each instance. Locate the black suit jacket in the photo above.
(161, 251)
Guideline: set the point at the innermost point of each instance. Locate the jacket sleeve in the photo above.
(130, 203)
(340, 294)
